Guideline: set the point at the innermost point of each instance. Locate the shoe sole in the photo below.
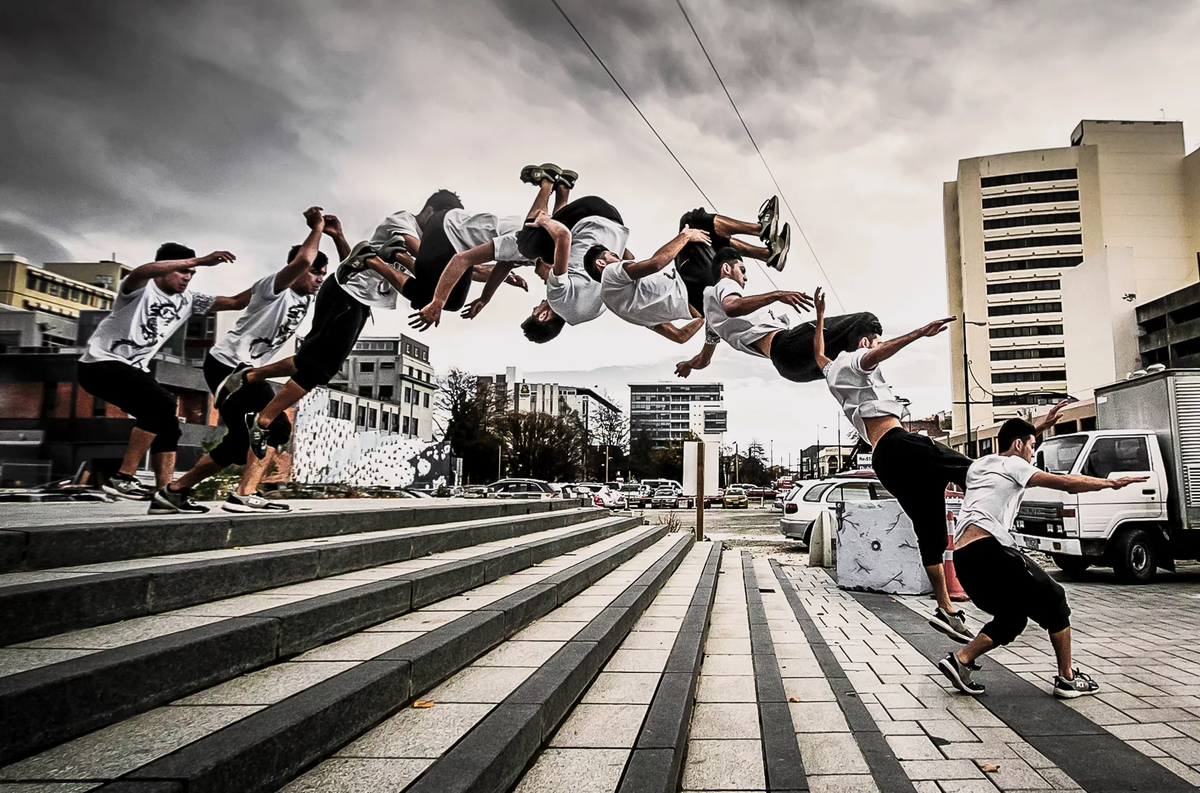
(228, 507)
(951, 674)
(780, 256)
(946, 629)
(1062, 694)
(126, 496)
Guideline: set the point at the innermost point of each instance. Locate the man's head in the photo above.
(727, 263)
(175, 283)
(438, 202)
(543, 324)
(596, 259)
(865, 332)
(310, 281)
(1017, 438)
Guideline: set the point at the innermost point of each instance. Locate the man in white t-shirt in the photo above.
(278, 304)
(152, 303)
(998, 577)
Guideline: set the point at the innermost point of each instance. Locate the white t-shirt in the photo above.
(994, 486)
(141, 322)
(268, 322)
(402, 222)
(742, 332)
(862, 394)
(466, 231)
(575, 296)
(369, 287)
(649, 301)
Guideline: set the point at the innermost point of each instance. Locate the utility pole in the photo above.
(966, 382)
(700, 491)
(839, 426)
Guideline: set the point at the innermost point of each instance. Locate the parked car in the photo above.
(636, 495)
(668, 497)
(735, 498)
(761, 491)
(714, 499)
(602, 495)
(521, 488)
(655, 484)
(810, 498)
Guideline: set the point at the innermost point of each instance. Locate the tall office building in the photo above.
(1049, 251)
(396, 371)
(664, 410)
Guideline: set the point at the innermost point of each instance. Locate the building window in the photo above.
(1033, 264)
(1052, 307)
(406, 425)
(1018, 221)
(1053, 197)
(372, 419)
(1023, 286)
(366, 366)
(387, 365)
(407, 395)
(361, 416)
(1025, 330)
(346, 410)
(415, 422)
(395, 422)
(1051, 240)
(1029, 177)
(385, 392)
(426, 400)
(410, 371)
(364, 391)
(1029, 377)
(1025, 355)
(334, 410)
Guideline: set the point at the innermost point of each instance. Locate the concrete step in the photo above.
(46, 602)
(261, 730)
(62, 686)
(39, 537)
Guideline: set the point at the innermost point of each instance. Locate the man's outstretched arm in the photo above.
(666, 254)
(498, 275)
(679, 335)
(741, 305)
(307, 253)
(138, 278)
(819, 337)
(333, 227)
(878, 355)
(700, 360)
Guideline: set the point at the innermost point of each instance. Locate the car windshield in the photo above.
(735, 491)
(665, 491)
(630, 488)
(1058, 455)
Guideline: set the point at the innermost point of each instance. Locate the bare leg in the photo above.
(937, 577)
(753, 251)
(977, 647)
(542, 202)
(1061, 642)
(390, 274)
(728, 227)
(202, 470)
(285, 367)
(290, 394)
(139, 444)
(164, 468)
(254, 471)
(562, 195)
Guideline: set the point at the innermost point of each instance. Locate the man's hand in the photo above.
(538, 219)
(1055, 413)
(427, 317)
(333, 225)
(512, 279)
(690, 234)
(314, 218)
(473, 309)
(935, 327)
(684, 368)
(1125, 481)
(819, 302)
(215, 258)
(797, 300)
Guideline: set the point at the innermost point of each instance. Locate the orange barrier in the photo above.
(953, 588)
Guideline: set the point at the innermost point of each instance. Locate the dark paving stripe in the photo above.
(655, 764)
(785, 767)
(491, 757)
(1097, 760)
(881, 760)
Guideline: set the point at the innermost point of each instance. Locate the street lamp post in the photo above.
(967, 377)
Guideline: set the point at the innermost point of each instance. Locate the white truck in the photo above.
(1149, 426)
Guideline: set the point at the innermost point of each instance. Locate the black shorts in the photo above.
(250, 398)
(536, 243)
(1012, 588)
(337, 320)
(695, 261)
(792, 349)
(916, 469)
(137, 393)
(435, 253)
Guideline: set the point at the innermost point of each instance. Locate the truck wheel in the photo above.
(1135, 557)
(1073, 566)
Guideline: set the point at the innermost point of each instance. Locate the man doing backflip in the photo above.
(152, 303)
(278, 304)
(913, 468)
(999, 578)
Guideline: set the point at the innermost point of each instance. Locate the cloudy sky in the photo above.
(216, 123)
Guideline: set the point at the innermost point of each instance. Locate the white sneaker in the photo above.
(123, 486)
(953, 625)
(252, 503)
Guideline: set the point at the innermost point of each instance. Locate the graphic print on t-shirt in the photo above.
(261, 347)
(159, 317)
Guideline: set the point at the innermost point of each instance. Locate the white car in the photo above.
(602, 495)
(809, 499)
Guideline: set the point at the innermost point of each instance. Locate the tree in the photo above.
(542, 446)
(609, 437)
(470, 412)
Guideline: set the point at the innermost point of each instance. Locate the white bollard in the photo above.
(820, 541)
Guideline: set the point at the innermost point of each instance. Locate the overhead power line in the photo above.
(750, 135)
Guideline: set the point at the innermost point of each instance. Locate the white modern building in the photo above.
(664, 410)
(708, 421)
(1049, 251)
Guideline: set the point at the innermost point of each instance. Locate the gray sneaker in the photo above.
(953, 625)
(167, 501)
(355, 263)
(1080, 685)
(254, 502)
(959, 674)
(124, 486)
(779, 247)
(389, 249)
(229, 386)
(258, 436)
(768, 218)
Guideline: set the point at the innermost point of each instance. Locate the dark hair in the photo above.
(1012, 430)
(539, 331)
(173, 251)
(318, 262)
(722, 257)
(861, 326)
(443, 199)
(534, 242)
(589, 261)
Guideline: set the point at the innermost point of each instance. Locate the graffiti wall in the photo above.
(333, 451)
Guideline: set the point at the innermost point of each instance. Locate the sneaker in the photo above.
(255, 502)
(258, 436)
(1080, 685)
(395, 245)
(536, 174)
(124, 486)
(953, 625)
(768, 218)
(229, 386)
(356, 262)
(959, 674)
(567, 179)
(166, 500)
(779, 246)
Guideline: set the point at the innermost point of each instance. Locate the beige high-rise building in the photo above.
(1049, 251)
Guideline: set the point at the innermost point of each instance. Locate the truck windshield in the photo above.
(1058, 455)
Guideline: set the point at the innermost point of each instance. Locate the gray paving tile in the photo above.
(120, 634)
(418, 732)
(725, 688)
(600, 727)
(844, 783)
(514, 653)
(819, 717)
(355, 775)
(725, 720)
(358, 647)
(576, 770)
(830, 753)
(480, 684)
(14, 660)
(633, 688)
(724, 765)
(624, 660)
(267, 686)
